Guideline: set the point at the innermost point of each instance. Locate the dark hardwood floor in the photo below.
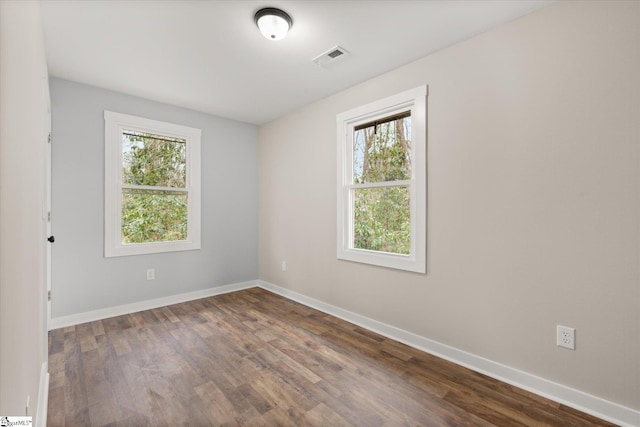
(255, 358)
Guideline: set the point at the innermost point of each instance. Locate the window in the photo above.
(152, 186)
(382, 182)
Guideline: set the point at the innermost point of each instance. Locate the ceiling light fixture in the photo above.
(273, 23)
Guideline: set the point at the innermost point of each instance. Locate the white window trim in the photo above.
(115, 124)
(414, 100)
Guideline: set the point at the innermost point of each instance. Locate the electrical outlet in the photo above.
(284, 265)
(566, 337)
(151, 273)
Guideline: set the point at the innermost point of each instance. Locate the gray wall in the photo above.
(82, 279)
(533, 207)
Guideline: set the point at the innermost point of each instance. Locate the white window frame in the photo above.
(415, 101)
(115, 124)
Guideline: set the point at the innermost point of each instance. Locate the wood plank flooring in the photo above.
(253, 358)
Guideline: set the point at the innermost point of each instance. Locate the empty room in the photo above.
(320, 213)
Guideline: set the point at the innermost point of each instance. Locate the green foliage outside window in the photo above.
(382, 220)
(382, 153)
(160, 214)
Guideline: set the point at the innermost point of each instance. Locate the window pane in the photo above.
(153, 216)
(154, 160)
(382, 150)
(382, 219)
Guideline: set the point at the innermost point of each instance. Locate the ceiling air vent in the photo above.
(330, 56)
(335, 53)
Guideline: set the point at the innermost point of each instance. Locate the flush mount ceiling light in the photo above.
(273, 23)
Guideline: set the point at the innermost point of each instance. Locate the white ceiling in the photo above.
(209, 55)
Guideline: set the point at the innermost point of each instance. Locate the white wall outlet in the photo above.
(566, 337)
(284, 265)
(151, 273)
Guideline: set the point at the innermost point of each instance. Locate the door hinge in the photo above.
(49, 216)
(48, 295)
(49, 138)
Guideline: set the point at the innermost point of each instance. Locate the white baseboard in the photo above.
(577, 399)
(43, 397)
(90, 316)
